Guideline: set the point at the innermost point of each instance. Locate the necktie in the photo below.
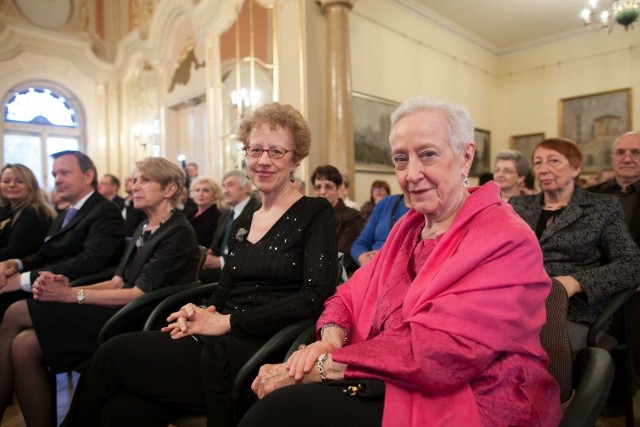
(69, 216)
(227, 231)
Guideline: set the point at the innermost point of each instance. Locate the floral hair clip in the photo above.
(241, 233)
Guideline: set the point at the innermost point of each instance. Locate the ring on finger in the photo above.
(301, 346)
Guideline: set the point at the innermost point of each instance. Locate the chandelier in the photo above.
(624, 12)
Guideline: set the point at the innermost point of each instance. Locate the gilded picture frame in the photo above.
(594, 121)
(526, 143)
(371, 126)
(482, 157)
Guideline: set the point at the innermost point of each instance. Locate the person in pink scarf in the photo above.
(448, 314)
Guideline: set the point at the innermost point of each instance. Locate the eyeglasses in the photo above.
(621, 153)
(505, 171)
(273, 153)
(327, 186)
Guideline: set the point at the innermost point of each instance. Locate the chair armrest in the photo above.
(278, 342)
(616, 301)
(307, 336)
(100, 276)
(593, 372)
(131, 317)
(159, 314)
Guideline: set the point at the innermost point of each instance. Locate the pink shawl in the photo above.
(484, 282)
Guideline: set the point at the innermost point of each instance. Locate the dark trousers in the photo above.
(147, 379)
(313, 405)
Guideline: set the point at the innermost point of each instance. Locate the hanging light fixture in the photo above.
(624, 12)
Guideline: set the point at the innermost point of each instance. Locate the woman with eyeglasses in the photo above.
(326, 181)
(25, 218)
(280, 268)
(585, 242)
(510, 172)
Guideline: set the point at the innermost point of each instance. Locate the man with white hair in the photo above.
(236, 192)
(625, 160)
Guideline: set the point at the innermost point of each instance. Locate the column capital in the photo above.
(324, 4)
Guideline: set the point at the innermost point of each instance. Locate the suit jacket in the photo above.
(25, 235)
(169, 256)
(589, 241)
(213, 274)
(349, 225)
(607, 187)
(132, 217)
(91, 242)
(119, 201)
(250, 207)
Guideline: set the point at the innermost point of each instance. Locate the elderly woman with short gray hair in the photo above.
(510, 172)
(444, 322)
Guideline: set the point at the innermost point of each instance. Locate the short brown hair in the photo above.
(164, 172)
(328, 173)
(282, 115)
(566, 147)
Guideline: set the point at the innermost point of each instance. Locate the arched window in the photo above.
(38, 122)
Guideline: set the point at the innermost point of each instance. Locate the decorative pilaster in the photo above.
(339, 110)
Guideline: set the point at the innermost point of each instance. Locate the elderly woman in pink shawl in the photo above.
(446, 319)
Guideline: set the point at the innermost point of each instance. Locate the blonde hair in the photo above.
(164, 172)
(211, 183)
(34, 195)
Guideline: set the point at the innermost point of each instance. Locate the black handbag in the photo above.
(366, 389)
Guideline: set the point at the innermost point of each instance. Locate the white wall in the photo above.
(397, 54)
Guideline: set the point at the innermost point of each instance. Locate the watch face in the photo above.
(80, 296)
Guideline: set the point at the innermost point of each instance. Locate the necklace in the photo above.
(555, 206)
(152, 228)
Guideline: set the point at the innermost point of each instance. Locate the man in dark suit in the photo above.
(236, 192)
(132, 216)
(108, 186)
(85, 239)
(625, 159)
(625, 185)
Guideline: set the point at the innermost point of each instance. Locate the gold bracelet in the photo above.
(320, 365)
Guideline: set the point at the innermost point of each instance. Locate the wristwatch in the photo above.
(80, 296)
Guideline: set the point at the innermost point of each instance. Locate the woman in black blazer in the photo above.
(25, 217)
(204, 192)
(585, 242)
(59, 328)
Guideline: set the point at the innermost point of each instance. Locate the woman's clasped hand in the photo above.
(194, 320)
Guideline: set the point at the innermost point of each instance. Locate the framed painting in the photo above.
(482, 158)
(593, 122)
(371, 126)
(526, 143)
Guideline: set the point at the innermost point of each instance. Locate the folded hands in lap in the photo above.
(53, 287)
(300, 367)
(194, 320)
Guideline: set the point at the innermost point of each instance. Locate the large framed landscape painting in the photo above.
(371, 126)
(594, 121)
(526, 143)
